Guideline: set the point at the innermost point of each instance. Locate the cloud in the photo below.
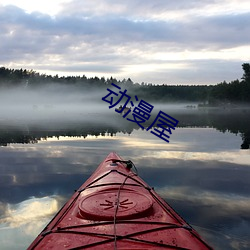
(150, 9)
(26, 220)
(29, 210)
(229, 204)
(124, 40)
(115, 29)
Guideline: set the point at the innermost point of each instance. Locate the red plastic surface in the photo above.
(142, 219)
(102, 205)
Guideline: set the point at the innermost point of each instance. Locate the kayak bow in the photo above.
(116, 209)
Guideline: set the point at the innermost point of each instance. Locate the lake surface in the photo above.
(203, 172)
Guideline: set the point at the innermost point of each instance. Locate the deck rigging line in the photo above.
(129, 164)
(115, 237)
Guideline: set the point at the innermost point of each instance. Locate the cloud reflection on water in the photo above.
(208, 187)
(29, 211)
(21, 222)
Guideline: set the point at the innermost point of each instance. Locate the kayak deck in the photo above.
(116, 209)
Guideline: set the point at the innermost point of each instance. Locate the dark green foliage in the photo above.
(233, 92)
(222, 93)
(246, 75)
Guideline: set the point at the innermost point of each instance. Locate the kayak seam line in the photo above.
(78, 193)
(99, 178)
(173, 212)
(53, 228)
(166, 208)
(44, 232)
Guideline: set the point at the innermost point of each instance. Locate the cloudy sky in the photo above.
(157, 41)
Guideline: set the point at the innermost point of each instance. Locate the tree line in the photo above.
(236, 91)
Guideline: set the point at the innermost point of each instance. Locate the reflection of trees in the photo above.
(234, 121)
(34, 133)
(246, 141)
(10, 136)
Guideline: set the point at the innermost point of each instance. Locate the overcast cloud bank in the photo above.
(184, 42)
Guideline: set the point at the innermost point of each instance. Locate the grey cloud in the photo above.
(220, 31)
(202, 32)
(207, 71)
(83, 68)
(135, 8)
(97, 40)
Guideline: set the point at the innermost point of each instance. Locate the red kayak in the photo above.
(116, 209)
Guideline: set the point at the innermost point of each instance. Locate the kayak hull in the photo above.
(116, 209)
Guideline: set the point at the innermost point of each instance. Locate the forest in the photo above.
(224, 93)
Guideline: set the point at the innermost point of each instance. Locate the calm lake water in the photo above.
(204, 172)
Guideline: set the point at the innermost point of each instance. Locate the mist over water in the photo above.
(58, 109)
(56, 103)
(52, 103)
(30, 114)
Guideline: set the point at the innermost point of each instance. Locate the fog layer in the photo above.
(51, 103)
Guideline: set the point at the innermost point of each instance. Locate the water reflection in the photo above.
(202, 173)
(103, 123)
(33, 209)
(21, 221)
